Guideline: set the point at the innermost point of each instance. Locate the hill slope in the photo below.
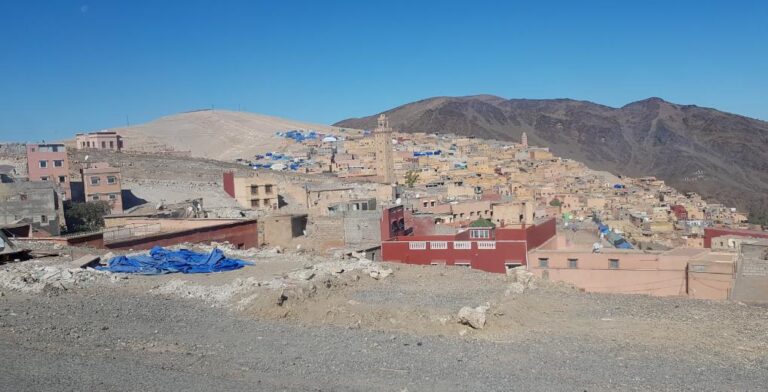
(719, 155)
(218, 134)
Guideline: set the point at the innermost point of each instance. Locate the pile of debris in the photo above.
(522, 280)
(32, 278)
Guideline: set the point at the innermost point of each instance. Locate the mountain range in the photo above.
(722, 156)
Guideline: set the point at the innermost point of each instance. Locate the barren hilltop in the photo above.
(215, 134)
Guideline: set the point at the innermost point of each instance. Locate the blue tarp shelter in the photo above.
(164, 261)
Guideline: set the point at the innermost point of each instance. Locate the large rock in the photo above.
(474, 317)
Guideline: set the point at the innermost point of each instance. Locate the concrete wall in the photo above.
(362, 228)
(34, 201)
(751, 283)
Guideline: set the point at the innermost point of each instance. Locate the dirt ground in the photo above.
(295, 302)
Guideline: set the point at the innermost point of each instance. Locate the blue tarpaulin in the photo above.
(164, 261)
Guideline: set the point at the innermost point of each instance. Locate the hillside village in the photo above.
(410, 198)
(376, 238)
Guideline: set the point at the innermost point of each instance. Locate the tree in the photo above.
(555, 203)
(86, 216)
(411, 177)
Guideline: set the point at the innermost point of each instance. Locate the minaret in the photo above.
(524, 140)
(383, 137)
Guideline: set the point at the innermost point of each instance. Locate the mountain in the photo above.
(215, 134)
(722, 156)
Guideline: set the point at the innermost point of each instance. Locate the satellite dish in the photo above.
(86, 157)
(399, 201)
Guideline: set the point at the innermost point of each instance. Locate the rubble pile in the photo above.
(474, 317)
(36, 279)
(522, 280)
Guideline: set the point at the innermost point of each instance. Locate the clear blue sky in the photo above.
(67, 66)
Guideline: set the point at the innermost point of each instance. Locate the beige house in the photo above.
(259, 193)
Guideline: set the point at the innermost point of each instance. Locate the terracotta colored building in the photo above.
(252, 192)
(488, 248)
(102, 182)
(102, 140)
(48, 162)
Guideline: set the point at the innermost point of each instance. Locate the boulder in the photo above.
(474, 317)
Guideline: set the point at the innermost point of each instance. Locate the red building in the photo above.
(712, 232)
(680, 212)
(486, 248)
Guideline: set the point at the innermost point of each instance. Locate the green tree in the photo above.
(555, 203)
(86, 216)
(411, 177)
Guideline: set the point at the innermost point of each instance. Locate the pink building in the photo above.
(48, 162)
(102, 182)
(102, 140)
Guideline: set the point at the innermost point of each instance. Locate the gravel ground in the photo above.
(103, 340)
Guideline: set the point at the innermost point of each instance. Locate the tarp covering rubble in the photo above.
(164, 261)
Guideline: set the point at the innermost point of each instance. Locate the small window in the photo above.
(103, 144)
(95, 197)
(465, 264)
(95, 180)
(255, 202)
(254, 189)
(479, 233)
(111, 144)
(44, 178)
(573, 263)
(486, 244)
(543, 262)
(268, 189)
(438, 245)
(111, 180)
(22, 197)
(614, 263)
(462, 245)
(43, 219)
(43, 164)
(417, 245)
(58, 163)
(62, 179)
(112, 196)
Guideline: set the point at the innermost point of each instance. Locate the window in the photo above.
(417, 245)
(268, 189)
(43, 164)
(463, 263)
(111, 180)
(543, 262)
(111, 144)
(44, 178)
(62, 179)
(95, 180)
(112, 196)
(486, 244)
(95, 197)
(462, 245)
(438, 245)
(103, 144)
(22, 197)
(255, 203)
(58, 163)
(573, 263)
(43, 219)
(479, 233)
(437, 262)
(254, 189)
(614, 263)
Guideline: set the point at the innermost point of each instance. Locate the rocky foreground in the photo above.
(305, 322)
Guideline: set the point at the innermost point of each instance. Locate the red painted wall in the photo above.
(539, 234)
(491, 260)
(245, 233)
(229, 183)
(711, 232)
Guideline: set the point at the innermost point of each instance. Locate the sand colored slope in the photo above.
(218, 134)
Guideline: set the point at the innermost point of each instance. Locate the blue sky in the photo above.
(68, 66)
